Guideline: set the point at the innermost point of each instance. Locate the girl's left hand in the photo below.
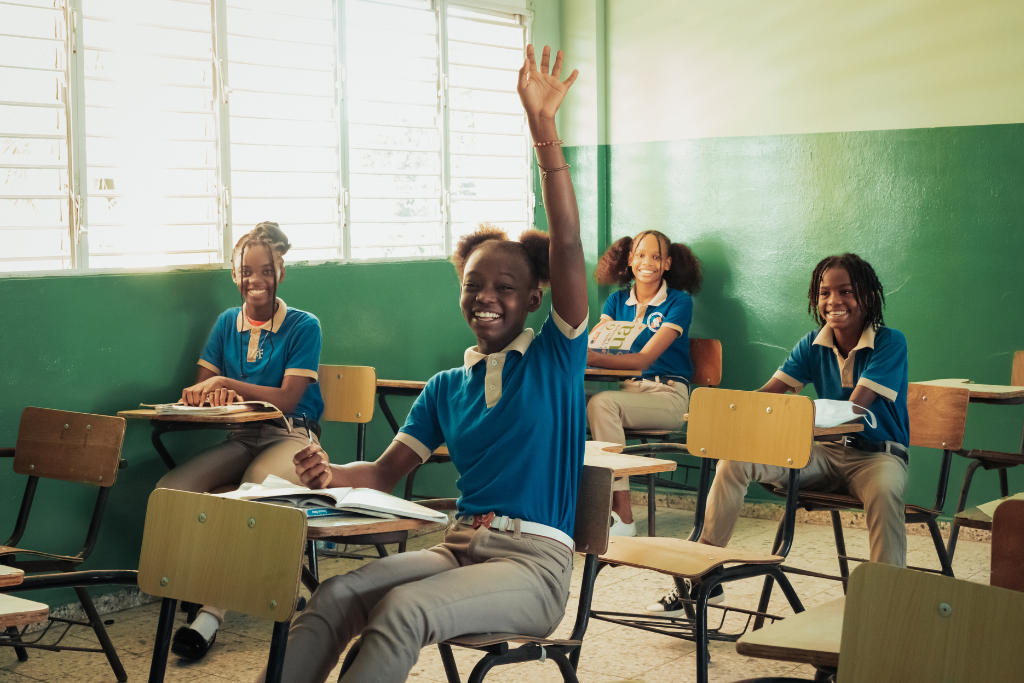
(540, 92)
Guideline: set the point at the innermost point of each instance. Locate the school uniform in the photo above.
(508, 418)
(871, 465)
(660, 398)
(289, 344)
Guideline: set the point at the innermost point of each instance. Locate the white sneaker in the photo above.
(620, 528)
(671, 606)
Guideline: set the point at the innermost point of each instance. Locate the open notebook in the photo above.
(241, 407)
(337, 501)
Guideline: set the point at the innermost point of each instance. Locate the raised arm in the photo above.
(541, 93)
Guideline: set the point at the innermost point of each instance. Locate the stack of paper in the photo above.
(178, 408)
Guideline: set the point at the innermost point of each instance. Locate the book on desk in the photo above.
(182, 409)
(334, 501)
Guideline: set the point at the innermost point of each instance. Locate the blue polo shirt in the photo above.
(670, 308)
(287, 345)
(878, 361)
(515, 425)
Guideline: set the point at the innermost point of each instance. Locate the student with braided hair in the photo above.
(645, 327)
(852, 356)
(512, 413)
(260, 351)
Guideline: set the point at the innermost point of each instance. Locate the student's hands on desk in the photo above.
(209, 391)
(316, 472)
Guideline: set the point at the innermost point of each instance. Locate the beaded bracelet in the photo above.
(545, 144)
(544, 171)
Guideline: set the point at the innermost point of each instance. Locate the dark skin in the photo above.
(844, 316)
(255, 280)
(497, 292)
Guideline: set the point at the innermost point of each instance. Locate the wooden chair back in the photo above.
(1017, 373)
(751, 426)
(706, 356)
(593, 510)
(76, 447)
(1008, 546)
(240, 555)
(938, 416)
(915, 627)
(348, 391)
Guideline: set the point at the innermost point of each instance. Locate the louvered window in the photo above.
(154, 134)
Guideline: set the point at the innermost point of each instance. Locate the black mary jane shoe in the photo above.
(190, 644)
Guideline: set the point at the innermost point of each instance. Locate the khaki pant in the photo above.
(639, 405)
(877, 479)
(477, 581)
(249, 454)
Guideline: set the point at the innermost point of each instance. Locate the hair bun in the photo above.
(269, 231)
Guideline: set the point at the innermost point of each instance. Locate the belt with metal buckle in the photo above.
(665, 379)
(505, 523)
(862, 444)
(302, 423)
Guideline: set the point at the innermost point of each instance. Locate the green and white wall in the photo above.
(764, 137)
(769, 135)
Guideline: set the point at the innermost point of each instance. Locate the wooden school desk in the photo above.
(994, 394)
(810, 637)
(609, 374)
(629, 466)
(170, 422)
(14, 611)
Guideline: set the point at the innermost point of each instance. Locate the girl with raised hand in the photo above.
(260, 351)
(644, 327)
(513, 412)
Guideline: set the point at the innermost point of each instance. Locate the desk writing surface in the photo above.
(9, 576)
(590, 373)
(228, 418)
(979, 391)
(604, 454)
(338, 527)
(408, 384)
(15, 611)
(973, 518)
(810, 637)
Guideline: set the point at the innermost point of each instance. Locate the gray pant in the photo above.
(877, 479)
(477, 581)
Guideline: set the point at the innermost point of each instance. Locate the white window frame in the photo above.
(78, 196)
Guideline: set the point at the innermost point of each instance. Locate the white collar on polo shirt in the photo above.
(658, 299)
(520, 344)
(827, 338)
(242, 323)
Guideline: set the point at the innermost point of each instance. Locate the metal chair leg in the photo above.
(954, 527)
(565, 667)
(1004, 484)
(382, 552)
(13, 634)
(451, 670)
(482, 668)
(311, 555)
(101, 633)
(837, 531)
(940, 549)
(278, 645)
(162, 647)
(651, 505)
(409, 479)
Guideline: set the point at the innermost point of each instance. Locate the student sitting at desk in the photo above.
(657, 311)
(852, 357)
(513, 413)
(262, 351)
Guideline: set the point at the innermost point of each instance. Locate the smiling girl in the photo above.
(261, 351)
(644, 328)
(512, 413)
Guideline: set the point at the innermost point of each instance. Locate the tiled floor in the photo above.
(610, 653)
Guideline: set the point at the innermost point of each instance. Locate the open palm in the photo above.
(541, 92)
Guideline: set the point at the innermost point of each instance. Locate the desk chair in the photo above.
(1008, 546)
(990, 460)
(914, 627)
(769, 429)
(593, 510)
(938, 416)
(72, 447)
(207, 550)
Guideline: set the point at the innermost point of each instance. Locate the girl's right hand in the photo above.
(540, 92)
(313, 467)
